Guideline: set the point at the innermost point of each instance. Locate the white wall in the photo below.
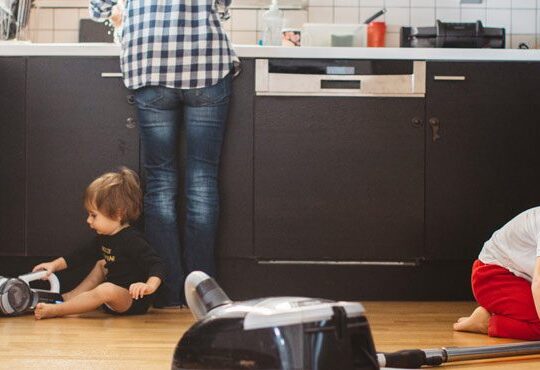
(521, 18)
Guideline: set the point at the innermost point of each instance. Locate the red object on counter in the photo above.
(376, 32)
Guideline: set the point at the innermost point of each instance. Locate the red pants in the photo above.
(509, 299)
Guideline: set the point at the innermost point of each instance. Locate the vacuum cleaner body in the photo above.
(286, 333)
(296, 333)
(17, 297)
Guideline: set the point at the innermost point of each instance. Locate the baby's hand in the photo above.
(139, 290)
(47, 266)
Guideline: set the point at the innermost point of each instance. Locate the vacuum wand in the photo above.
(415, 358)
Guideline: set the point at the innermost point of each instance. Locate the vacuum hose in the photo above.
(203, 294)
(415, 358)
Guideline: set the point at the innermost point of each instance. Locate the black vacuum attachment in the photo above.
(289, 333)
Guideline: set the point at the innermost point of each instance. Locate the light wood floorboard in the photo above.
(99, 341)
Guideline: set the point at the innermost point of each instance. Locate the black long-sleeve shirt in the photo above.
(129, 258)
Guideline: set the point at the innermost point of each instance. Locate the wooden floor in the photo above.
(99, 341)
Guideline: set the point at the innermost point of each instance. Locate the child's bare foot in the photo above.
(45, 311)
(476, 323)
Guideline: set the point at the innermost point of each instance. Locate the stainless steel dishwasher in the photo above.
(339, 161)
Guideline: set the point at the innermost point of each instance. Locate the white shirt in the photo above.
(516, 245)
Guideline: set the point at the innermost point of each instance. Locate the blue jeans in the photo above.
(204, 112)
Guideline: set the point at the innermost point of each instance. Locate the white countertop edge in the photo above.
(252, 51)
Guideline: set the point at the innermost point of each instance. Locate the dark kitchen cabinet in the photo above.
(338, 178)
(80, 124)
(235, 238)
(482, 152)
(12, 155)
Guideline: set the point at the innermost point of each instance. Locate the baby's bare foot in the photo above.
(45, 311)
(476, 323)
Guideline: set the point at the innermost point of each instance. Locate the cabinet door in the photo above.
(483, 169)
(339, 178)
(12, 155)
(80, 125)
(236, 173)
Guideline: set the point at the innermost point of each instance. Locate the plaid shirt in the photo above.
(172, 43)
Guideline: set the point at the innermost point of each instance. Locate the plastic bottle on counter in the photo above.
(273, 19)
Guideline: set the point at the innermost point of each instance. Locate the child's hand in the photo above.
(47, 266)
(139, 290)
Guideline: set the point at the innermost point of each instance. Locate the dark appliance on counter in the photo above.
(453, 35)
(92, 31)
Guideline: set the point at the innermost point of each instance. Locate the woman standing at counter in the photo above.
(178, 60)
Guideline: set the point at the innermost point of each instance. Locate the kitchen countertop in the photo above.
(14, 48)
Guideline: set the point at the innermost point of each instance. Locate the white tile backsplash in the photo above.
(520, 18)
(346, 15)
(473, 15)
(482, 5)
(346, 3)
(244, 37)
(43, 19)
(66, 19)
(523, 4)
(499, 18)
(523, 21)
(42, 36)
(296, 18)
(448, 14)
(66, 36)
(366, 12)
(371, 2)
(422, 16)
(396, 3)
(398, 16)
(529, 40)
(321, 14)
(84, 13)
(447, 3)
(422, 3)
(244, 20)
(321, 2)
(499, 4)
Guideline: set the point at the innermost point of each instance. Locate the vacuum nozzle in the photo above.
(203, 294)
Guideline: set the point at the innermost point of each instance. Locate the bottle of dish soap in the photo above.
(273, 19)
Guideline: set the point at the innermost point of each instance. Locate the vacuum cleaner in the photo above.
(17, 297)
(298, 333)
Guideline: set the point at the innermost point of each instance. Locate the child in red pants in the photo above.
(506, 282)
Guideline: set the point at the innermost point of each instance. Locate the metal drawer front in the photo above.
(291, 84)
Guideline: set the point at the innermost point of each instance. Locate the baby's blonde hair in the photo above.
(116, 194)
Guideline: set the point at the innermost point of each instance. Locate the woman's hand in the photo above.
(117, 14)
(139, 290)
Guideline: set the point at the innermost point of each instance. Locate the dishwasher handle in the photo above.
(296, 84)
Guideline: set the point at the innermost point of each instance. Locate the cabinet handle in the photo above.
(130, 123)
(112, 75)
(435, 126)
(416, 122)
(449, 78)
